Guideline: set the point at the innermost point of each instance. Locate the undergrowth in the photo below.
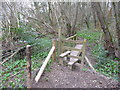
(105, 65)
(39, 53)
(91, 36)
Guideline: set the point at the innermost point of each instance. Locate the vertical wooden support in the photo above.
(28, 58)
(62, 49)
(59, 44)
(61, 61)
(54, 53)
(76, 37)
(83, 54)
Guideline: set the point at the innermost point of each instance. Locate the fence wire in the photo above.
(13, 72)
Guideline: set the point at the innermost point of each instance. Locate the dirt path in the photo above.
(62, 77)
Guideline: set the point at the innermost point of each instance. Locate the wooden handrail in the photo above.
(71, 37)
(73, 41)
(44, 64)
(72, 48)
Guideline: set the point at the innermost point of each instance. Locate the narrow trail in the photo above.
(62, 77)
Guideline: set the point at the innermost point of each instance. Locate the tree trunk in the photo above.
(87, 22)
(108, 43)
(66, 19)
(50, 13)
(117, 19)
(83, 14)
(94, 16)
(75, 20)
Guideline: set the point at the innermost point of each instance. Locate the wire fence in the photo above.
(13, 72)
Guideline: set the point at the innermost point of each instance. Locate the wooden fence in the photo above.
(61, 48)
(28, 67)
(51, 53)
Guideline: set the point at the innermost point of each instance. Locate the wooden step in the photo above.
(74, 55)
(64, 54)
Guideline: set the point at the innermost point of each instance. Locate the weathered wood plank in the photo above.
(44, 64)
(77, 57)
(73, 41)
(75, 54)
(71, 37)
(64, 54)
(71, 48)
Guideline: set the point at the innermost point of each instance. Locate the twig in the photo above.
(14, 74)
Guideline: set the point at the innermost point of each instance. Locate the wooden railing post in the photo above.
(83, 54)
(28, 58)
(54, 53)
(59, 44)
(76, 37)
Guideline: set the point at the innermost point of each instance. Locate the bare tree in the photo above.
(75, 20)
(108, 43)
(116, 7)
(94, 16)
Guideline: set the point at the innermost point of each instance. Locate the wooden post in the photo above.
(54, 53)
(83, 54)
(59, 44)
(76, 37)
(28, 58)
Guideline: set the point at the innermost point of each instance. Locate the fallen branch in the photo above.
(14, 74)
(89, 63)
